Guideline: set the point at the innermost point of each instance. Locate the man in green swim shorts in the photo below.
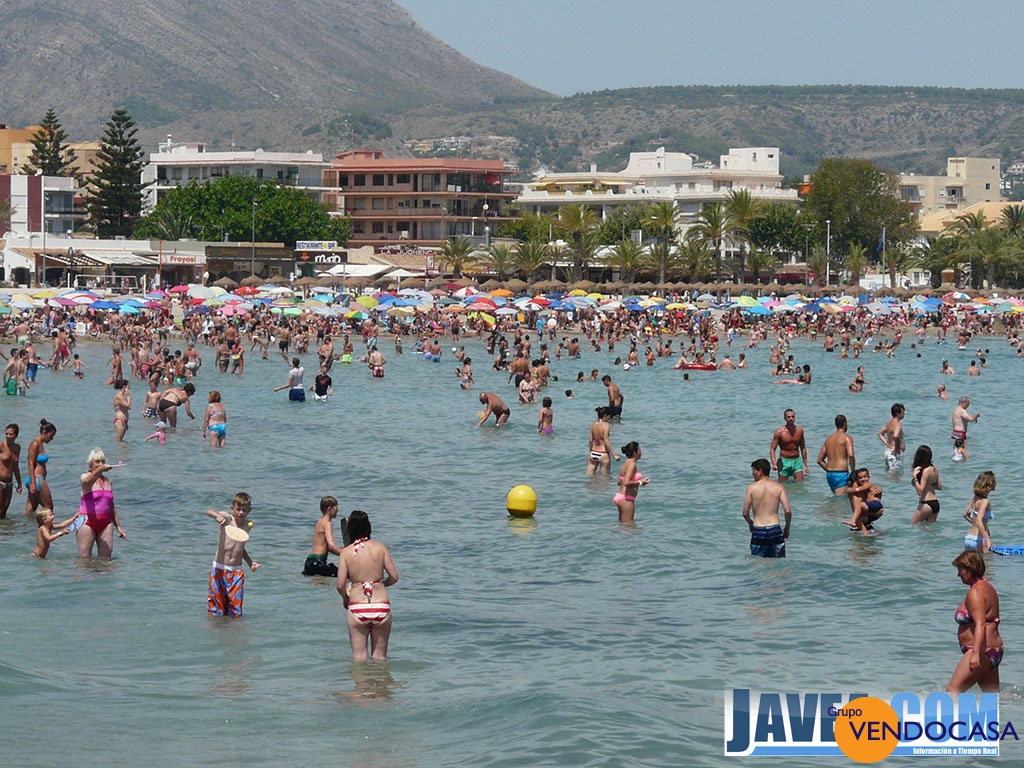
(789, 440)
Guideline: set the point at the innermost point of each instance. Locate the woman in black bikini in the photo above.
(171, 399)
(926, 482)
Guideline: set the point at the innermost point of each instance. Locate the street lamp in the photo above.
(828, 251)
(807, 240)
(444, 234)
(42, 219)
(252, 256)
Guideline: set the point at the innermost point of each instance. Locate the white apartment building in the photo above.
(968, 180)
(658, 176)
(38, 204)
(176, 165)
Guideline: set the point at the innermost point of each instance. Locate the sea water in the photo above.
(563, 640)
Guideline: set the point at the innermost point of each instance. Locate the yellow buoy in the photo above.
(521, 501)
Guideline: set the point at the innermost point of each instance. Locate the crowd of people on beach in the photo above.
(365, 569)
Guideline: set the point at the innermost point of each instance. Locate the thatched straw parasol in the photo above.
(279, 280)
(330, 281)
(226, 283)
(515, 284)
(490, 285)
(252, 281)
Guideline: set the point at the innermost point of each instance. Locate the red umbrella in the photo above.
(246, 290)
(179, 289)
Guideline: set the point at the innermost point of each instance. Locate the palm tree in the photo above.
(664, 216)
(577, 220)
(743, 209)
(896, 257)
(1011, 219)
(695, 259)
(530, 256)
(856, 262)
(817, 263)
(992, 253)
(457, 253)
(171, 223)
(501, 258)
(713, 227)
(937, 254)
(966, 229)
(759, 260)
(628, 256)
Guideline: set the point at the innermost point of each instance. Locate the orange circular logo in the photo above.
(867, 730)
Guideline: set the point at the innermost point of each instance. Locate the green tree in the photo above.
(966, 229)
(622, 221)
(502, 259)
(713, 227)
(224, 209)
(897, 257)
(777, 230)
(50, 151)
(531, 256)
(529, 226)
(937, 254)
(577, 220)
(628, 256)
(860, 200)
(664, 216)
(116, 187)
(817, 262)
(458, 253)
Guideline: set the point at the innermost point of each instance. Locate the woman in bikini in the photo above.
(926, 482)
(171, 399)
(122, 407)
(365, 571)
(38, 488)
(630, 480)
(98, 508)
(599, 458)
(977, 632)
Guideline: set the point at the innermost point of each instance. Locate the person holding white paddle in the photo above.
(227, 578)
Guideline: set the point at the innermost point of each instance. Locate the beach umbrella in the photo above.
(759, 309)
(246, 290)
(156, 294)
(400, 312)
(100, 304)
(4, 309)
(745, 301)
(326, 298)
(357, 314)
(507, 311)
(366, 301)
(179, 289)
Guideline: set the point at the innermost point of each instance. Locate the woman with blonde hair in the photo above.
(98, 507)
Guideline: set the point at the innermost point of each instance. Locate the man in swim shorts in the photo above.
(836, 457)
(891, 436)
(495, 405)
(615, 397)
(961, 418)
(789, 440)
(323, 541)
(763, 498)
(227, 577)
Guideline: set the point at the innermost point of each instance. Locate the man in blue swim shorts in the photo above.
(836, 457)
(764, 497)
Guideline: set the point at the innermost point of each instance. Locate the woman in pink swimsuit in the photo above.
(99, 509)
(630, 481)
(365, 571)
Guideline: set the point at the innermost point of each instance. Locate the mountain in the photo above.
(899, 128)
(277, 75)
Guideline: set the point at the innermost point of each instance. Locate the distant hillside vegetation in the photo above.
(903, 129)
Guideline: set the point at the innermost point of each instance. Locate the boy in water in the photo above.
(323, 541)
(865, 502)
(46, 535)
(227, 578)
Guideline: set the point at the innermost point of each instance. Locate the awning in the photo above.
(120, 259)
(358, 270)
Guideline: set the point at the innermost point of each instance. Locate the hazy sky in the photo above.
(569, 46)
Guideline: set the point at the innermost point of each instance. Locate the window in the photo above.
(988, 186)
(359, 204)
(378, 203)
(403, 178)
(176, 174)
(359, 180)
(378, 179)
(391, 180)
(358, 227)
(378, 227)
(343, 180)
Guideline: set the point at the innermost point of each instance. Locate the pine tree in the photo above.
(115, 202)
(50, 152)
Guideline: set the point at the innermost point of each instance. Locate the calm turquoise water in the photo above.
(562, 641)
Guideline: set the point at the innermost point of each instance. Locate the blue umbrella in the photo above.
(104, 304)
(758, 310)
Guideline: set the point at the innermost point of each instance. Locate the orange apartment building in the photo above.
(416, 201)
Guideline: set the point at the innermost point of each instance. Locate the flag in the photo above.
(881, 243)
